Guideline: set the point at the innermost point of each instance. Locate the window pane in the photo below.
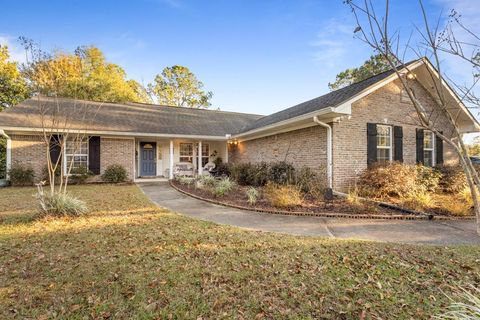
(428, 140)
(383, 155)
(428, 158)
(383, 136)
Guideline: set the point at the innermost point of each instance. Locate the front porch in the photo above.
(157, 159)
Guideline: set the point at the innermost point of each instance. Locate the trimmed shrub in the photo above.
(60, 204)
(115, 174)
(281, 172)
(21, 176)
(453, 179)
(310, 182)
(283, 196)
(79, 175)
(249, 174)
(223, 186)
(252, 195)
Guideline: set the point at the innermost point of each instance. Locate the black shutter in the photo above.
(398, 143)
(94, 154)
(371, 143)
(420, 146)
(438, 150)
(55, 148)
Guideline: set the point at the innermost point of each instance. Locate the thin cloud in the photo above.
(17, 53)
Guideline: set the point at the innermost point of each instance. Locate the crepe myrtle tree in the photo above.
(433, 42)
(59, 126)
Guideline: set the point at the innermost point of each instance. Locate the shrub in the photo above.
(281, 172)
(353, 196)
(115, 174)
(21, 176)
(428, 178)
(205, 181)
(310, 182)
(223, 169)
(60, 204)
(79, 175)
(249, 174)
(453, 179)
(223, 186)
(3, 158)
(283, 196)
(252, 195)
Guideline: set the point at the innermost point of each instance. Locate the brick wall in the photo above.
(303, 147)
(382, 106)
(29, 151)
(117, 151)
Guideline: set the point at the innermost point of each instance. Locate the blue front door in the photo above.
(148, 163)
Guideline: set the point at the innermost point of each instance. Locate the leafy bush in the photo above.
(223, 186)
(205, 181)
(283, 196)
(250, 174)
(115, 174)
(453, 179)
(3, 158)
(428, 178)
(21, 176)
(80, 175)
(60, 204)
(281, 172)
(253, 195)
(223, 169)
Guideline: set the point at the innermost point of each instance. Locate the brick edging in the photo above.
(320, 214)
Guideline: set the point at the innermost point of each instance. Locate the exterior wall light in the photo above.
(410, 76)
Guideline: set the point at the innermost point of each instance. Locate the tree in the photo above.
(374, 65)
(374, 31)
(13, 87)
(178, 86)
(474, 147)
(83, 75)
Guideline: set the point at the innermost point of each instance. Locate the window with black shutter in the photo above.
(94, 154)
(438, 150)
(371, 143)
(398, 143)
(419, 144)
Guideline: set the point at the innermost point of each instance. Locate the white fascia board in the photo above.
(115, 133)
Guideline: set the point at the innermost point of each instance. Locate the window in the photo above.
(205, 154)
(384, 144)
(76, 153)
(428, 148)
(186, 152)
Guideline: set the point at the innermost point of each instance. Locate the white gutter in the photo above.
(9, 151)
(329, 150)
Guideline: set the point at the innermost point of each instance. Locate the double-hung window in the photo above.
(205, 154)
(186, 152)
(384, 144)
(76, 153)
(428, 148)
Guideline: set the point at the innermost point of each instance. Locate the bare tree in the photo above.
(61, 126)
(374, 30)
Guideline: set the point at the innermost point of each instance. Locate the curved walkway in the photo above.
(403, 231)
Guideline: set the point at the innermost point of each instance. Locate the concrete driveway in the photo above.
(402, 231)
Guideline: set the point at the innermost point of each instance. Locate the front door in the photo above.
(148, 165)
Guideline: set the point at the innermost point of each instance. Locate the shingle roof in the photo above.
(130, 117)
(330, 99)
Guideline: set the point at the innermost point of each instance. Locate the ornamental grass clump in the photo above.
(223, 186)
(205, 181)
(59, 204)
(252, 194)
(283, 196)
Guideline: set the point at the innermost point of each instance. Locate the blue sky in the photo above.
(256, 56)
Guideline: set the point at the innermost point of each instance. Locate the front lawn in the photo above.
(129, 259)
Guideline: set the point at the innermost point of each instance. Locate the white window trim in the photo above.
(199, 153)
(434, 160)
(391, 141)
(65, 154)
(189, 156)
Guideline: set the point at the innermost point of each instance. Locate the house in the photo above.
(338, 134)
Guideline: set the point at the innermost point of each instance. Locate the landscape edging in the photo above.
(324, 214)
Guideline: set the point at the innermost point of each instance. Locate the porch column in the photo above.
(226, 152)
(199, 155)
(9, 157)
(170, 173)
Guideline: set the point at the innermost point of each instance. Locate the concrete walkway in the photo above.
(418, 232)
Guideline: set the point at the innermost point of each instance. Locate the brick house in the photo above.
(338, 134)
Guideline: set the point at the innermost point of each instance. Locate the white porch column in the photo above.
(199, 155)
(9, 156)
(226, 152)
(170, 173)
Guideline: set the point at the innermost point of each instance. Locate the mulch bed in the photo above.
(238, 198)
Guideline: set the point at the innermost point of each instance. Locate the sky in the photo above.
(255, 56)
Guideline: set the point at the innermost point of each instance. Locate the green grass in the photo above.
(128, 259)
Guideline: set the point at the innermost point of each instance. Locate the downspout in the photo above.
(329, 150)
(9, 152)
